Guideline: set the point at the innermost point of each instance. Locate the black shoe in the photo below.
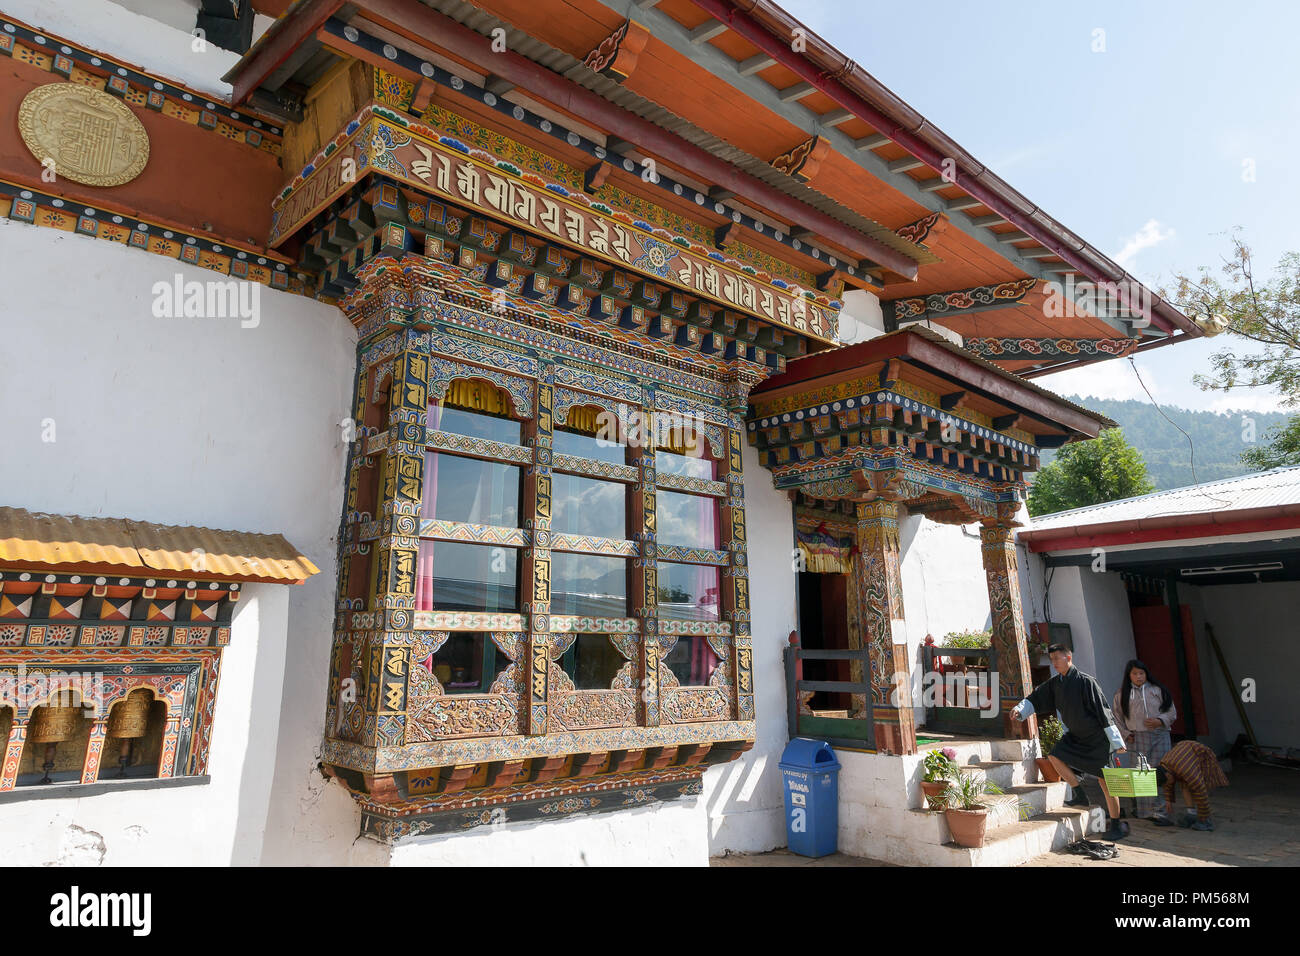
(1078, 796)
(1118, 830)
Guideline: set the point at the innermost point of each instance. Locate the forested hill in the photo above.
(1219, 438)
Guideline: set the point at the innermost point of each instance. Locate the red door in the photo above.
(1153, 636)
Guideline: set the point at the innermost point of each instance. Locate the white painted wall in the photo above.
(183, 421)
(861, 318)
(944, 589)
(1095, 606)
(154, 36)
(743, 797)
(668, 834)
(1255, 625)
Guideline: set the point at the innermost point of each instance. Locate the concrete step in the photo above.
(1016, 842)
(1004, 773)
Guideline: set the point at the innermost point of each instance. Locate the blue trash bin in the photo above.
(809, 778)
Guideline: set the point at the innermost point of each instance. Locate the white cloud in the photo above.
(1107, 379)
(1247, 402)
(1151, 234)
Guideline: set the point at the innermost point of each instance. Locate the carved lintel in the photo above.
(616, 55)
(803, 161)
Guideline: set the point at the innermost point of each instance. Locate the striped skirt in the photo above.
(1152, 744)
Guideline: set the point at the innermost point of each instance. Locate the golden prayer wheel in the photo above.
(130, 718)
(52, 725)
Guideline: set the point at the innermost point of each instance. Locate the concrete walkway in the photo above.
(1256, 818)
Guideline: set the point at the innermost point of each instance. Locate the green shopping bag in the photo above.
(1130, 782)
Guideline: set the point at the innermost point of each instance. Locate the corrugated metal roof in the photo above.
(1276, 488)
(31, 538)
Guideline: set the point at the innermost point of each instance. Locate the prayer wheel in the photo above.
(53, 725)
(129, 718)
(127, 722)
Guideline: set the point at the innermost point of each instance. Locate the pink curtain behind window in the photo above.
(706, 591)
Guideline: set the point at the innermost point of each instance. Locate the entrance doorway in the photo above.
(824, 626)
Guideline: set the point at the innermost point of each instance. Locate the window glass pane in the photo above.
(687, 520)
(590, 585)
(468, 664)
(692, 660)
(466, 489)
(593, 662)
(454, 576)
(588, 506)
(671, 463)
(688, 591)
(588, 446)
(475, 424)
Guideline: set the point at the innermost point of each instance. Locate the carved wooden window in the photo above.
(688, 510)
(468, 557)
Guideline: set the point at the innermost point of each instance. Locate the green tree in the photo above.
(1088, 473)
(1263, 345)
(1280, 446)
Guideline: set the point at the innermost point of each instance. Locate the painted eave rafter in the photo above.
(1050, 240)
(472, 44)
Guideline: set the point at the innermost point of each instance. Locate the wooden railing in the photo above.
(850, 732)
(960, 699)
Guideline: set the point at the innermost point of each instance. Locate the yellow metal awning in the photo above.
(33, 540)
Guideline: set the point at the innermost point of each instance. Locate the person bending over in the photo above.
(1091, 734)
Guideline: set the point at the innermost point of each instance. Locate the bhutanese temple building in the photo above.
(486, 433)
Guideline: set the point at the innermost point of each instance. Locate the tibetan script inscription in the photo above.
(434, 167)
(83, 134)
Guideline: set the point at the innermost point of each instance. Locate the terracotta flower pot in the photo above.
(933, 790)
(968, 826)
(1046, 769)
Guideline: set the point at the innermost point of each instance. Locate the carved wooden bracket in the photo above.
(803, 161)
(616, 55)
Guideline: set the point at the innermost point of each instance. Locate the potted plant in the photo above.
(1050, 731)
(940, 767)
(967, 815)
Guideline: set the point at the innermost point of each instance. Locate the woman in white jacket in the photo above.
(1144, 712)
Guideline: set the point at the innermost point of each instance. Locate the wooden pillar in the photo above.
(402, 498)
(13, 754)
(94, 749)
(171, 739)
(735, 583)
(1001, 571)
(535, 575)
(879, 594)
(645, 567)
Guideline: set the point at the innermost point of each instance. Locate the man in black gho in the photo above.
(1091, 734)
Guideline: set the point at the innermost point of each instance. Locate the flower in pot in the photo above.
(940, 767)
(965, 811)
(1050, 732)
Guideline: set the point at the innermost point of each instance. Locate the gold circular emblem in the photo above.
(90, 136)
